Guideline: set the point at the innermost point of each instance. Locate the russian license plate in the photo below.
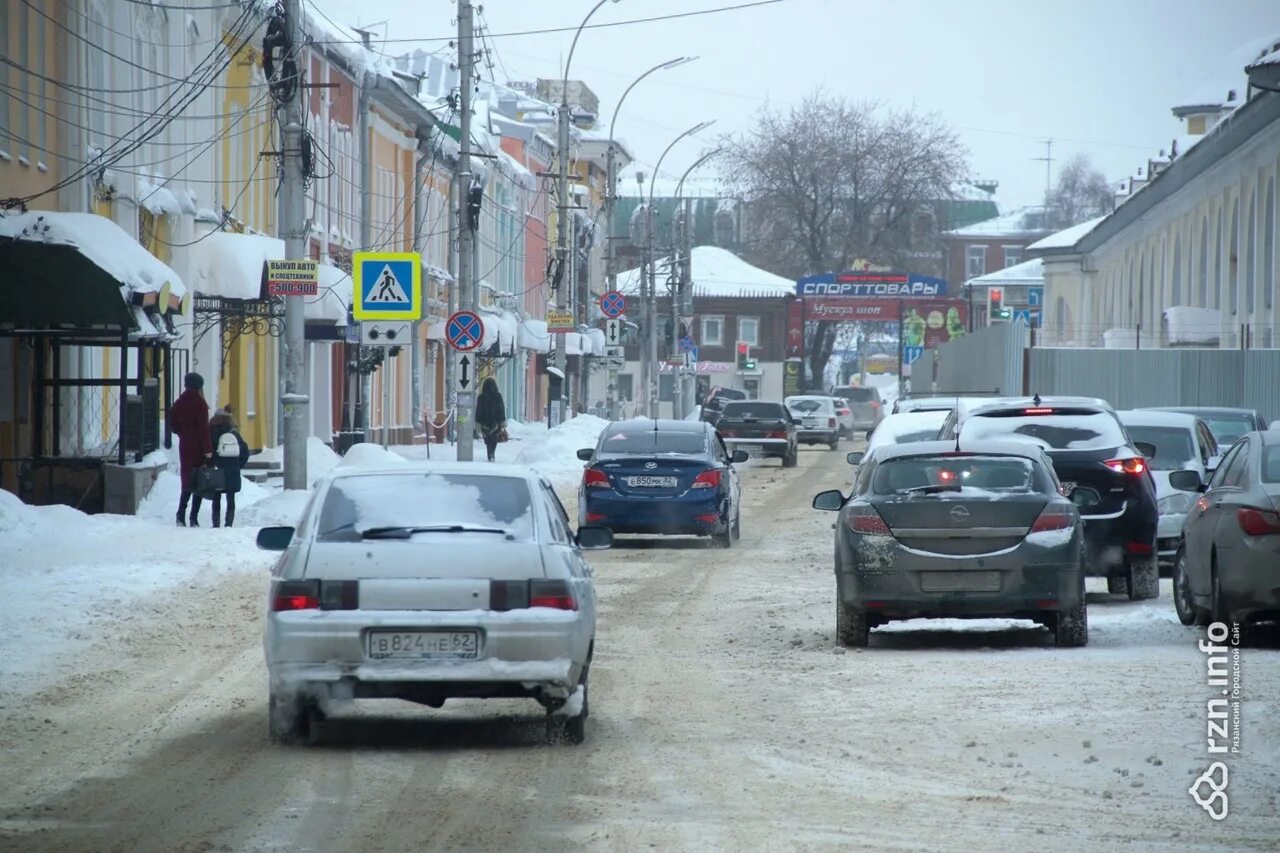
(652, 482)
(810, 423)
(960, 581)
(752, 449)
(423, 645)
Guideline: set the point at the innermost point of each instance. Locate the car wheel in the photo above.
(835, 443)
(725, 539)
(737, 525)
(1217, 607)
(852, 630)
(1144, 579)
(1117, 584)
(1189, 613)
(789, 459)
(1071, 627)
(290, 720)
(573, 729)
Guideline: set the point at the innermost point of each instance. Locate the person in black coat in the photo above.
(230, 456)
(491, 415)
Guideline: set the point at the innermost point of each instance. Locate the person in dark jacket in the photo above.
(189, 420)
(491, 415)
(230, 454)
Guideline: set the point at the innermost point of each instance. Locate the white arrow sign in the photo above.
(613, 332)
(464, 371)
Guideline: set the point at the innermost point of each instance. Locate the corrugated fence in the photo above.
(989, 359)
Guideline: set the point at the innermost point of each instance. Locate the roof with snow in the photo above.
(1066, 238)
(1023, 221)
(718, 272)
(1028, 272)
(1212, 92)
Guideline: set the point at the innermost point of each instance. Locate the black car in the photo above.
(1101, 471)
(764, 430)
(714, 404)
(1226, 424)
(932, 531)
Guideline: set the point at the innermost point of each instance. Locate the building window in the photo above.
(1195, 125)
(975, 261)
(749, 330)
(712, 331)
(1012, 255)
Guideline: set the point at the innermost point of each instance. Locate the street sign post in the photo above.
(387, 285)
(293, 278)
(375, 333)
(613, 332)
(910, 355)
(464, 372)
(613, 304)
(560, 322)
(464, 330)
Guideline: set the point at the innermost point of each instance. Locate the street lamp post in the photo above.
(611, 195)
(651, 312)
(554, 398)
(682, 296)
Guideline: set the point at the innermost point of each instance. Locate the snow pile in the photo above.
(282, 509)
(320, 459)
(161, 503)
(553, 453)
(366, 453)
(21, 522)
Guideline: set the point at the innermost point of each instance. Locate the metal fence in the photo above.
(989, 359)
(1173, 377)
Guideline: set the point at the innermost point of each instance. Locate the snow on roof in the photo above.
(1067, 237)
(229, 265)
(347, 43)
(1151, 417)
(156, 198)
(1027, 272)
(1272, 58)
(718, 272)
(695, 186)
(1023, 220)
(330, 304)
(964, 191)
(100, 240)
(1212, 89)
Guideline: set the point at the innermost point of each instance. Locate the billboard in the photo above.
(872, 285)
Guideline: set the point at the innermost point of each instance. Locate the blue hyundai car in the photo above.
(662, 477)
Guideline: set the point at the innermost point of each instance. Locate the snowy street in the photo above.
(723, 716)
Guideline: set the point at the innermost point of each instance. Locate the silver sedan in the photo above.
(425, 583)
(1225, 570)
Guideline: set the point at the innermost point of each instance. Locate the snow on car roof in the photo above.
(1150, 417)
(937, 448)
(905, 423)
(475, 469)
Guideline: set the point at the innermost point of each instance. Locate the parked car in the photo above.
(906, 427)
(765, 430)
(1226, 569)
(844, 417)
(428, 582)
(1226, 424)
(662, 477)
(715, 402)
(866, 404)
(1181, 442)
(930, 531)
(819, 423)
(1101, 471)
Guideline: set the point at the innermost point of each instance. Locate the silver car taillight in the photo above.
(517, 595)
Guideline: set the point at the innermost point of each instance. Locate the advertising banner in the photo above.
(873, 285)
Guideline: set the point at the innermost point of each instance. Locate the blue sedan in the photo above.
(662, 477)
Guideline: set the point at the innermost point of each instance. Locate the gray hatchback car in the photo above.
(935, 531)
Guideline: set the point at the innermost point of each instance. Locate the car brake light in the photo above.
(874, 404)
(1039, 410)
(296, 595)
(552, 593)
(707, 480)
(1052, 518)
(727, 433)
(780, 433)
(866, 521)
(1258, 522)
(1131, 465)
(831, 422)
(1142, 548)
(594, 478)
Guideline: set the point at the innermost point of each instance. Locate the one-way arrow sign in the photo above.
(613, 332)
(464, 372)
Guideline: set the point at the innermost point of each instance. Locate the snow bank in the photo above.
(366, 453)
(284, 509)
(555, 451)
(20, 522)
(320, 459)
(161, 504)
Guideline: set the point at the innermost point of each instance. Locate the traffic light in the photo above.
(745, 361)
(995, 296)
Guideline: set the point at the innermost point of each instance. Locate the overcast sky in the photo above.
(1096, 76)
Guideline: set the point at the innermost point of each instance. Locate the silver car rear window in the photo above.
(354, 506)
(1004, 474)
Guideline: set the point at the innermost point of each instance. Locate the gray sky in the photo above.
(1097, 76)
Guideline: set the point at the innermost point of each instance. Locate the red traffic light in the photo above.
(996, 294)
(743, 348)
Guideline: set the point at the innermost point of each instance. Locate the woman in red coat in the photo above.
(189, 419)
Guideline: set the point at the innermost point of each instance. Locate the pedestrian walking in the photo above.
(189, 420)
(230, 453)
(491, 416)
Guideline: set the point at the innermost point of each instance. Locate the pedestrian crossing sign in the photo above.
(388, 285)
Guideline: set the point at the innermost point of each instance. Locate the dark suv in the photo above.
(1101, 471)
(713, 406)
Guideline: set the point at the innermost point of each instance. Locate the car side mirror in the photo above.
(830, 501)
(595, 538)
(584, 454)
(1186, 481)
(854, 457)
(275, 538)
(740, 456)
(1146, 448)
(1213, 463)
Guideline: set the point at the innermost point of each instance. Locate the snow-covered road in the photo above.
(723, 718)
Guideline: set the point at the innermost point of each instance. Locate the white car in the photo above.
(428, 582)
(905, 427)
(1181, 442)
(817, 419)
(844, 417)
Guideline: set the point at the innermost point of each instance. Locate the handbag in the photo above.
(210, 480)
(502, 434)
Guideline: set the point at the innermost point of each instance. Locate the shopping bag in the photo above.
(210, 480)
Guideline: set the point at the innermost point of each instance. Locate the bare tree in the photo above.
(1082, 193)
(830, 181)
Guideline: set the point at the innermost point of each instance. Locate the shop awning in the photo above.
(501, 329)
(233, 266)
(533, 335)
(82, 271)
(330, 305)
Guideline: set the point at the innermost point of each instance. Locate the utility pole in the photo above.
(293, 224)
(560, 281)
(677, 282)
(450, 395)
(610, 263)
(642, 393)
(1047, 159)
(651, 319)
(466, 234)
(687, 381)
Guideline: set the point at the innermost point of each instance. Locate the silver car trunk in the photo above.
(445, 556)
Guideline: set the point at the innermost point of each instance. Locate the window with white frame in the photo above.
(712, 331)
(1012, 255)
(749, 330)
(975, 261)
